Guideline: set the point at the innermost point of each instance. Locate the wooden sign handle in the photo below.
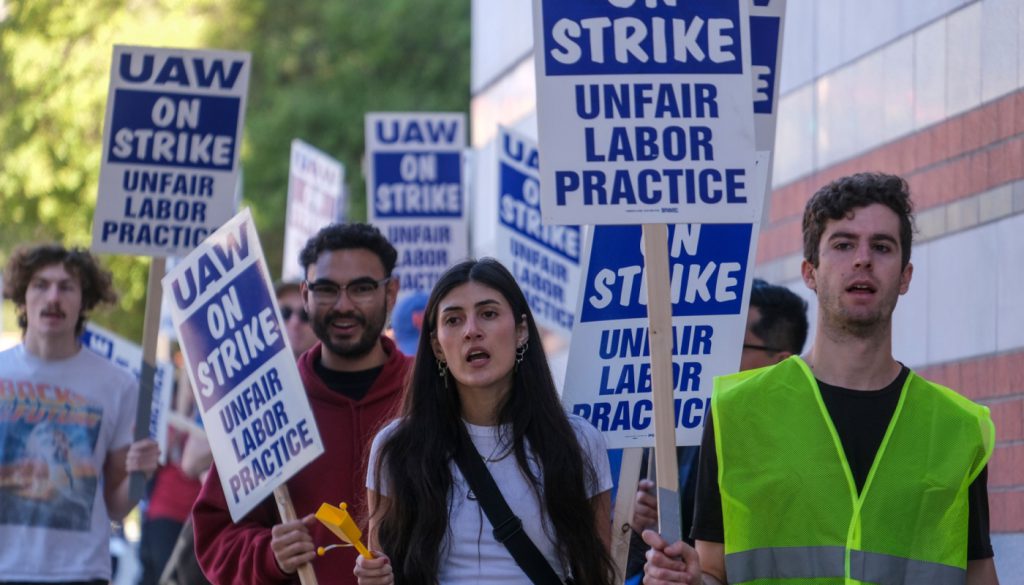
(284, 506)
(150, 330)
(659, 316)
(625, 502)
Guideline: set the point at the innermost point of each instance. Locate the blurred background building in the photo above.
(927, 89)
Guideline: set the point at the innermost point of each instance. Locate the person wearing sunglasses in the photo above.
(353, 378)
(296, 319)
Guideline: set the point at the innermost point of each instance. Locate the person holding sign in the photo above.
(776, 329)
(482, 409)
(843, 463)
(353, 379)
(66, 447)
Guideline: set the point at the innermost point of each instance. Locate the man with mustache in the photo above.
(66, 447)
(354, 378)
(843, 465)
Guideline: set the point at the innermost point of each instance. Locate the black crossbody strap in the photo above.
(508, 528)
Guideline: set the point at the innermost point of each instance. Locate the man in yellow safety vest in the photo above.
(843, 466)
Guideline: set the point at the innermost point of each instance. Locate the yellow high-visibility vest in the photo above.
(790, 506)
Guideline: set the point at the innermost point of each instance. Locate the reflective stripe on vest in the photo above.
(810, 562)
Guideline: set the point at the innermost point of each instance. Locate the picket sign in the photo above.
(307, 576)
(162, 196)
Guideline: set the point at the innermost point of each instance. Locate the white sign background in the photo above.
(315, 185)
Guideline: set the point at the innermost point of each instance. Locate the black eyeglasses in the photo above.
(761, 347)
(287, 312)
(360, 290)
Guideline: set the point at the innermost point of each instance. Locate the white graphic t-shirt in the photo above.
(58, 421)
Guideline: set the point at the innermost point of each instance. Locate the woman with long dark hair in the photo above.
(481, 380)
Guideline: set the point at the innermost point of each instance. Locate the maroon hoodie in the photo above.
(240, 553)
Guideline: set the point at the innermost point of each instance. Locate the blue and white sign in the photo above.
(415, 190)
(644, 111)
(710, 272)
(243, 371)
(545, 259)
(609, 361)
(171, 147)
(315, 186)
(128, 355)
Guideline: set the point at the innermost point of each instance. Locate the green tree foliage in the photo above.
(54, 73)
(318, 67)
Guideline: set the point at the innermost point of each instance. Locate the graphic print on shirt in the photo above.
(48, 434)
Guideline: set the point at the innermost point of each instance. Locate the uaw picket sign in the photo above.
(609, 361)
(315, 199)
(545, 259)
(644, 111)
(243, 372)
(415, 191)
(171, 146)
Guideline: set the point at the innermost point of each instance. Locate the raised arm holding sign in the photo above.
(349, 384)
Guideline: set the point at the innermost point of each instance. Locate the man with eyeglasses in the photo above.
(296, 319)
(776, 329)
(354, 379)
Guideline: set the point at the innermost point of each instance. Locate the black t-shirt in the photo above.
(354, 385)
(861, 419)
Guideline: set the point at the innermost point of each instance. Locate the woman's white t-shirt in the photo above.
(470, 554)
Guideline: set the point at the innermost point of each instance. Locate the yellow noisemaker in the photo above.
(338, 521)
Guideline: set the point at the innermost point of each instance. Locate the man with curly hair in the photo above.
(66, 416)
(842, 465)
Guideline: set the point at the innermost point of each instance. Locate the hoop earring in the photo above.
(521, 353)
(442, 371)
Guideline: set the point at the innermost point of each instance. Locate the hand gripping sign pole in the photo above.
(307, 576)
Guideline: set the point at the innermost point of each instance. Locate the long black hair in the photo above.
(412, 521)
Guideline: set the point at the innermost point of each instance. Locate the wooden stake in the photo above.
(625, 502)
(659, 316)
(284, 507)
(150, 329)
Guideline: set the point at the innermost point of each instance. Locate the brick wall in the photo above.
(945, 163)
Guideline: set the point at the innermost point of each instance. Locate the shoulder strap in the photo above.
(508, 528)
